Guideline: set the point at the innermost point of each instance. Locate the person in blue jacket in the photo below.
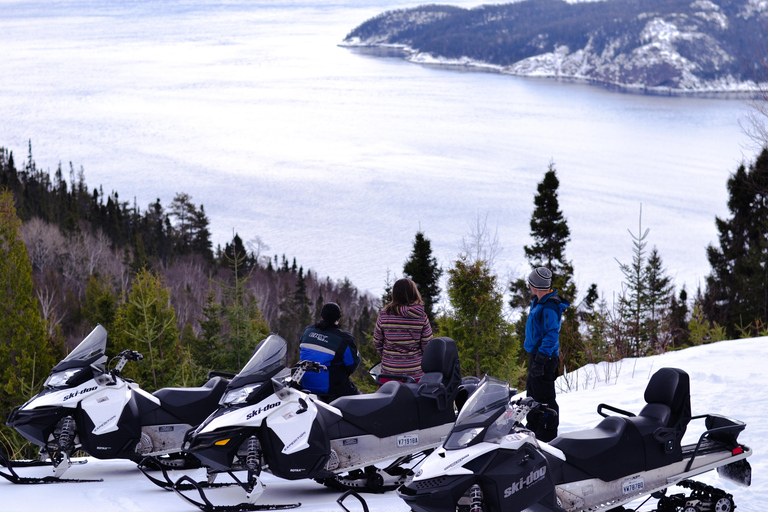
(542, 342)
(327, 344)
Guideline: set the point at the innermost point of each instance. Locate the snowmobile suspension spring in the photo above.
(252, 458)
(66, 430)
(475, 499)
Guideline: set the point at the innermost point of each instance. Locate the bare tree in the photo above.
(481, 244)
(44, 244)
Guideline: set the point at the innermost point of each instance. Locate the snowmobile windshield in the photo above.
(490, 398)
(269, 356)
(90, 351)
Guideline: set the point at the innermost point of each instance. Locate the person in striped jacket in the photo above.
(402, 332)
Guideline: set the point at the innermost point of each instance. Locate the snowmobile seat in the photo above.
(442, 372)
(390, 410)
(193, 405)
(614, 448)
(439, 386)
(664, 419)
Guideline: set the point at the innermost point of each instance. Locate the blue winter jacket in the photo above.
(542, 330)
(334, 348)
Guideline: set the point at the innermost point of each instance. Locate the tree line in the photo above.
(72, 258)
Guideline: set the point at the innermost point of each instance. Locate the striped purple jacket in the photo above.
(400, 340)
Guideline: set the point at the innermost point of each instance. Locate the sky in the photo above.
(727, 378)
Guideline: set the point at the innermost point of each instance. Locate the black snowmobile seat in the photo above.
(620, 446)
(390, 410)
(193, 405)
(611, 450)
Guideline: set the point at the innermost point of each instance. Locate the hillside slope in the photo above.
(678, 45)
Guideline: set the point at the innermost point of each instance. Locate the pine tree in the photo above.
(207, 349)
(422, 268)
(100, 303)
(737, 288)
(644, 303)
(244, 323)
(659, 299)
(147, 323)
(549, 228)
(550, 233)
(26, 354)
(476, 321)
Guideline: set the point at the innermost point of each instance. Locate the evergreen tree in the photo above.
(422, 268)
(659, 299)
(476, 321)
(550, 234)
(737, 288)
(207, 349)
(244, 323)
(644, 303)
(100, 303)
(147, 323)
(25, 352)
(678, 319)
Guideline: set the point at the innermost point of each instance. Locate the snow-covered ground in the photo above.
(727, 378)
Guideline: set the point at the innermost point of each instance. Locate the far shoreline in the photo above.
(387, 50)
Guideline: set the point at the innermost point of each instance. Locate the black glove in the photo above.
(541, 363)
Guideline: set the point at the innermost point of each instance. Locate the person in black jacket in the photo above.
(325, 343)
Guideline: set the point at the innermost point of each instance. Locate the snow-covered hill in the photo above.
(727, 378)
(654, 45)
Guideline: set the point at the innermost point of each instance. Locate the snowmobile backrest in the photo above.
(668, 395)
(442, 371)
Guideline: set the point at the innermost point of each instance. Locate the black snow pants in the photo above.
(542, 389)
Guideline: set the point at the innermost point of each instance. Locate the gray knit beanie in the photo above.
(540, 278)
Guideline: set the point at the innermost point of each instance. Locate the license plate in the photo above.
(407, 440)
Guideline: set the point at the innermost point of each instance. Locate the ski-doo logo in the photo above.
(81, 392)
(260, 410)
(531, 479)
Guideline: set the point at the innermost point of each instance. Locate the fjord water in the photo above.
(337, 156)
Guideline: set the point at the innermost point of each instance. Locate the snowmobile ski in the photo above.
(206, 506)
(14, 477)
(151, 463)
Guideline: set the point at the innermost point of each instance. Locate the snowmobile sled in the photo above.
(266, 422)
(86, 407)
(491, 462)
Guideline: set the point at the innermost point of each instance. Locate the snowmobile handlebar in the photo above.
(130, 355)
(310, 366)
(124, 357)
(534, 406)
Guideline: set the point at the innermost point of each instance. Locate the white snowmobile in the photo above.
(267, 422)
(84, 406)
(491, 462)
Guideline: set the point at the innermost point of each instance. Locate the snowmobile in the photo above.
(266, 422)
(86, 407)
(491, 462)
